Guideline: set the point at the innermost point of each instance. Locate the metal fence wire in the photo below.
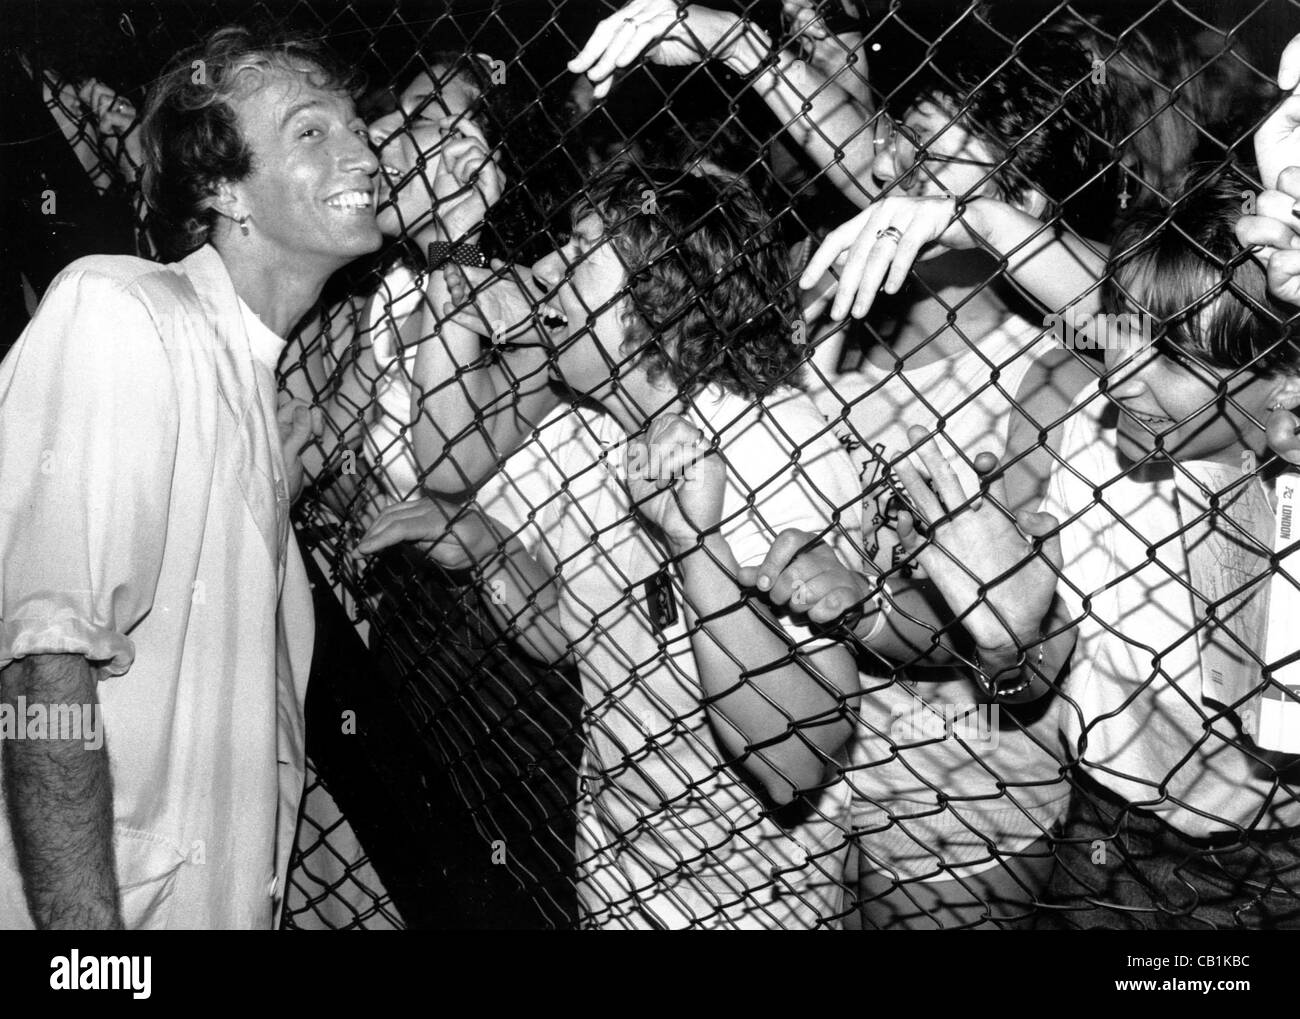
(552, 690)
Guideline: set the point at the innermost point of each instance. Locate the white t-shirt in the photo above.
(897, 756)
(660, 812)
(1135, 676)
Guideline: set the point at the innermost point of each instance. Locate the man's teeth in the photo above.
(349, 200)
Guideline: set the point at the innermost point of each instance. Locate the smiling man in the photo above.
(146, 473)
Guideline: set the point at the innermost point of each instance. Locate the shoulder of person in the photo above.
(1087, 453)
(756, 427)
(1052, 384)
(121, 272)
(796, 412)
(782, 428)
(113, 302)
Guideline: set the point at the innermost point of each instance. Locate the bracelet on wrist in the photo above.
(852, 619)
(439, 253)
(989, 684)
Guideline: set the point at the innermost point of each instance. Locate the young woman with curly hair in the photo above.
(615, 546)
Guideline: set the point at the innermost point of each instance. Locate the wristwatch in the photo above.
(439, 253)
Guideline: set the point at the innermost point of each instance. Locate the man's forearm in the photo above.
(60, 801)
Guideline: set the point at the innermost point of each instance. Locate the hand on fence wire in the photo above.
(665, 32)
(880, 245)
(1275, 230)
(823, 47)
(299, 424)
(493, 303)
(114, 117)
(468, 181)
(801, 571)
(1283, 430)
(804, 18)
(1277, 140)
(454, 535)
(675, 480)
(972, 545)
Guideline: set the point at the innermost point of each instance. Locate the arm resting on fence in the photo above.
(471, 409)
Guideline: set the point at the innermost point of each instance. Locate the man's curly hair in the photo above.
(709, 283)
(191, 134)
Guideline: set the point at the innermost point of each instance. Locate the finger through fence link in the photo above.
(806, 464)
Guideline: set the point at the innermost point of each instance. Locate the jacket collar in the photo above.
(224, 324)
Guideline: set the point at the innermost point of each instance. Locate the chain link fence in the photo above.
(559, 700)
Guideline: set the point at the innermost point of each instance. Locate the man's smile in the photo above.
(353, 201)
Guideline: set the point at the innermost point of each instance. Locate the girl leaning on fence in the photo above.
(447, 188)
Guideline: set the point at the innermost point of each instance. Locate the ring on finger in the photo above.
(892, 232)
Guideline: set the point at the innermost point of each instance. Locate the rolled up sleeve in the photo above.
(88, 438)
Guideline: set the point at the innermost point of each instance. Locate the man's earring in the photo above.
(243, 224)
(1123, 193)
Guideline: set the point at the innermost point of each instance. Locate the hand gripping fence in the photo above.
(556, 697)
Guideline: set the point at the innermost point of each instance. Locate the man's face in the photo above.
(409, 141)
(1199, 412)
(592, 301)
(310, 195)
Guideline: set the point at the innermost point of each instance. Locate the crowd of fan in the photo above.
(880, 599)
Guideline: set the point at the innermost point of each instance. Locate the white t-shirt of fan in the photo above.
(896, 757)
(1136, 717)
(653, 776)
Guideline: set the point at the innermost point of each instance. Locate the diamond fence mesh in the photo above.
(556, 697)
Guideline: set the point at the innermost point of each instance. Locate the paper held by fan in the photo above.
(1246, 614)
(1279, 705)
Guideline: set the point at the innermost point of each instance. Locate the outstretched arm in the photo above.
(521, 597)
(822, 115)
(877, 248)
